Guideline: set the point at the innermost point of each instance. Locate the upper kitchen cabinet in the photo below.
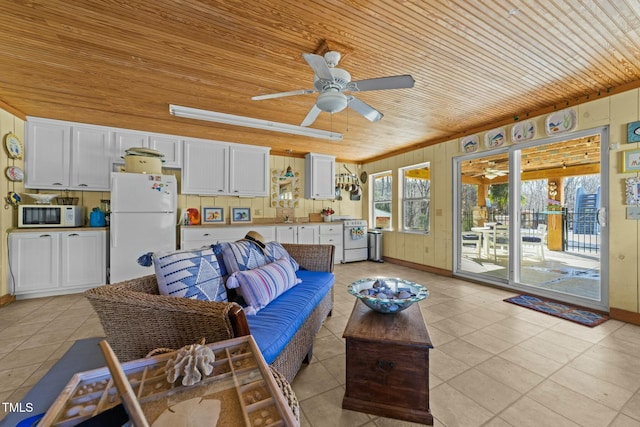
(170, 146)
(320, 176)
(61, 155)
(249, 170)
(206, 167)
(219, 168)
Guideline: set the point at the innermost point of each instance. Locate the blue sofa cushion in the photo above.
(275, 325)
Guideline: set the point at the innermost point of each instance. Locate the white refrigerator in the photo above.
(143, 219)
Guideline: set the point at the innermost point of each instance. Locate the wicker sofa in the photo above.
(137, 319)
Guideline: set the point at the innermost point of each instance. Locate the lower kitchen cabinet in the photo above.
(331, 234)
(43, 263)
(308, 234)
(195, 237)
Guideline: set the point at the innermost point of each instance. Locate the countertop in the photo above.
(53, 229)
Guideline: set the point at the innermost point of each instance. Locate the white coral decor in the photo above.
(192, 363)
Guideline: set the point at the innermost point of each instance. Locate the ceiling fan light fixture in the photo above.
(332, 102)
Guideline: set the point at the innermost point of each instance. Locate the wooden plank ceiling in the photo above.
(476, 64)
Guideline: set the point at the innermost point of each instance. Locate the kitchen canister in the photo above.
(96, 218)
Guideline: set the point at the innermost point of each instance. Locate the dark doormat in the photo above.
(558, 309)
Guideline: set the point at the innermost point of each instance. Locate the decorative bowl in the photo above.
(387, 294)
(42, 199)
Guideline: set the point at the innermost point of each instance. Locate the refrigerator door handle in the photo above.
(113, 238)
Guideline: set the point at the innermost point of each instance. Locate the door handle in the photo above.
(601, 217)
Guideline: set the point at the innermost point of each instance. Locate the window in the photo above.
(381, 199)
(416, 196)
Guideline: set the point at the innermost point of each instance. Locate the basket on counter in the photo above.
(67, 200)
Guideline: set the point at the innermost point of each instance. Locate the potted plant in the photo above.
(327, 214)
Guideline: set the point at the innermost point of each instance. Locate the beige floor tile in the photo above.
(607, 372)
(624, 421)
(594, 388)
(549, 349)
(530, 360)
(452, 308)
(504, 333)
(311, 380)
(48, 338)
(564, 340)
(571, 404)
(498, 422)
(329, 346)
(454, 409)
(592, 335)
(632, 408)
(529, 413)
(30, 356)
(511, 374)
(452, 327)
(337, 367)
(465, 352)
(445, 366)
(325, 410)
(487, 342)
(12, 379)
(483, 389)
(611, 356)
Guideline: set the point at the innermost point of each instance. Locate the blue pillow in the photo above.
(190, 274)
(274, 251)
(241, 255)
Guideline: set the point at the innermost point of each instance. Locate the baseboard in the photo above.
(624, 315)
(421, 267)
(7, 299)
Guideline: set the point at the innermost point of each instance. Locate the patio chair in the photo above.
(471, 239)
(537, 240)
(499, 239)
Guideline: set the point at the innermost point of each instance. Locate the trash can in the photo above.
(375, 245)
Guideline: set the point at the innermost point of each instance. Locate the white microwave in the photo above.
(35, 216)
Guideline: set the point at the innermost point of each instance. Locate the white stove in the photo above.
(355, 240)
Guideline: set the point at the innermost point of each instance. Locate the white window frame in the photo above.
(404, 200)
(372, 210)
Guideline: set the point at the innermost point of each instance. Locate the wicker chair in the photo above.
(137, 319)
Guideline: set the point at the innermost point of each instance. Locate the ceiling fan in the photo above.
(331, 83)
(491, 172)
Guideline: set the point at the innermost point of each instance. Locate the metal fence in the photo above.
(580, 230)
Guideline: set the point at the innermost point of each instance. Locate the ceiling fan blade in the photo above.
(381, 83)
(282, 94)
(319, 66)
(311, 116)
(365, 109)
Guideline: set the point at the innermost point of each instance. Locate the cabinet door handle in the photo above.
(385, 365)
(206, 235)
(57, 183)
(220, 191)
(73, 235)
(45, 235)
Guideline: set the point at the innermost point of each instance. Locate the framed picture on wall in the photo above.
(212, 215)
(631, 161)
(240, 215)
(633, 191)
(633, 132)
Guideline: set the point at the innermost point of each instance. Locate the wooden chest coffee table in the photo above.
(388, 364)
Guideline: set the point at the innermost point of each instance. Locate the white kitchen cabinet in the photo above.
(59, 155)
(331, 234)
(90, 163)
(206, 167)
(320, 170)
(219, 168)
(249, 170)
(169, 145)
(307, 234)
(197, 237)
(48, 262)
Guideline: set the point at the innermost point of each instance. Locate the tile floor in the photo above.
(494, 364)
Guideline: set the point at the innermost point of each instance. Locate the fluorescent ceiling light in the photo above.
(230, 119)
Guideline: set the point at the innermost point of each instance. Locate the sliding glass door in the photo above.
(532, 217)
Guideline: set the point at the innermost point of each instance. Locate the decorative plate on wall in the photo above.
(14, 174)
(494, 138)
(14, 145)
(523, 131)
(561, 121)
(469, 144)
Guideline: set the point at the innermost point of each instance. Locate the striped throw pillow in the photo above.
(262, 285)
